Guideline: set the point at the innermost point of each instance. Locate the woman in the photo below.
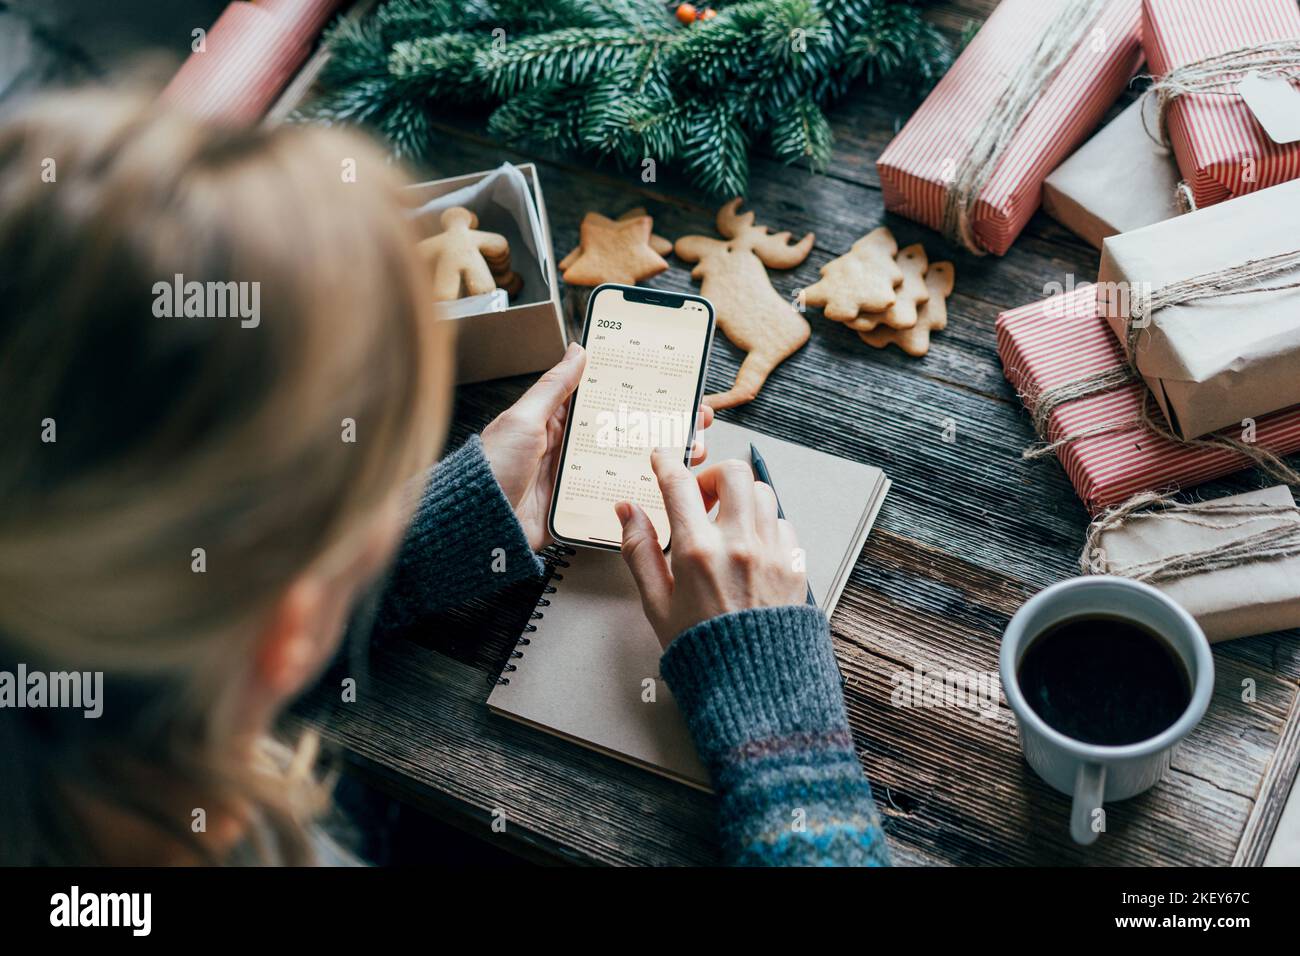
(195, 499)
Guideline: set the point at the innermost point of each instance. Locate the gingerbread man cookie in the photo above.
(613, 250)
(861, 280)
(912, 294)
(932, 316)
(462, 257)
(750, 312)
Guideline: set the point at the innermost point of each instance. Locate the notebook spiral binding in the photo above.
(553, 556)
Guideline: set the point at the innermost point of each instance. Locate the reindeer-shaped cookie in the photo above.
(750, 312)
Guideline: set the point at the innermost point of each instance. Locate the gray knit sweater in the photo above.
(759, 688)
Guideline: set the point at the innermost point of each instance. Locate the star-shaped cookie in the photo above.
(658, 243)
(613, 250)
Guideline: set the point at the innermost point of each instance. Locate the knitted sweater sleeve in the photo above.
(464, 541)
(762, 697)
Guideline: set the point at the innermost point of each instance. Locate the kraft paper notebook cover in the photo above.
(583, 672)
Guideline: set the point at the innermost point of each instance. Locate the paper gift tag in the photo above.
(1275, 103)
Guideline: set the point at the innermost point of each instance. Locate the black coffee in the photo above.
(1104, 680)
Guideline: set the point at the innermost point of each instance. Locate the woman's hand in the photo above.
(522, 444)
(747, 558)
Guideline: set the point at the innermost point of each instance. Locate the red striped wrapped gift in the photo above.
(915, 166)
(249, 55)
(1061, 339)
(1221, 149)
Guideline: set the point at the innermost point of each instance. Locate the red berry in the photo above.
(708, 14)
(686, 12)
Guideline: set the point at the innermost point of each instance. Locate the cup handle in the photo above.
(1089, 788)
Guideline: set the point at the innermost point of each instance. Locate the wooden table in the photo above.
(969, 531)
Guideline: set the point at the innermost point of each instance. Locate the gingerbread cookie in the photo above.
(912, 294)
(861, 280)
(462, 257)
(613, 250)
(658, 243)
(750, 312)
(932, 316)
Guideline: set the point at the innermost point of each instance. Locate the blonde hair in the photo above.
(184, 433)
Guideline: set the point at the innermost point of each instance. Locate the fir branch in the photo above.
(405, 18)
(661, 123)
(442, 66)
(605, 125)
(802, 134)
(622, 79)
(547, 116)
(715, 151)
(563, 57)
(406, 127)
(896, 40)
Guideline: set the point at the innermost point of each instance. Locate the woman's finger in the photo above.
(645, 559)
(681, 492)
(703, 418)
(699, 451)
(732, 483)
(765, 512)
(554, 387)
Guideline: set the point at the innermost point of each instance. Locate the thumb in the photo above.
(645, 559)
(555, 386)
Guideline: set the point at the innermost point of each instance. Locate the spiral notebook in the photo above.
(588, 669)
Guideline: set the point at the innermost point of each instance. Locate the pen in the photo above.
(762, 474)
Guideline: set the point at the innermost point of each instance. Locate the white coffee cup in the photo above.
(1093, 773)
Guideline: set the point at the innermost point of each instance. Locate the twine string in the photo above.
(1152, 420)
(1212, 74)
(1275, 543)
(1240, 278)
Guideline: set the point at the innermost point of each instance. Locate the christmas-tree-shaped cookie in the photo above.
(861, 280)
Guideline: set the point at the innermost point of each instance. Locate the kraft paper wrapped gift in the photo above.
(921, 160)
(1213, 362)
(1221, 148)
(1254, 597)
(1118, 181)
(1060, 339)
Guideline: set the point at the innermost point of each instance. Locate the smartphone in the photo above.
(647, 352)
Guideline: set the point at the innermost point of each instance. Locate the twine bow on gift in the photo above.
(1244, 278)
(1212, 74)
(1275, 543)
(1023, 88)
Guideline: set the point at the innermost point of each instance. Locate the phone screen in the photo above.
(646, 356)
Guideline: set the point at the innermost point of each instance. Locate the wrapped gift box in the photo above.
(1118, 181)
(1060, 339)
(1216, 361)
(248, 57)
(1220, 146)
(1254, 597)
(920, 160)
